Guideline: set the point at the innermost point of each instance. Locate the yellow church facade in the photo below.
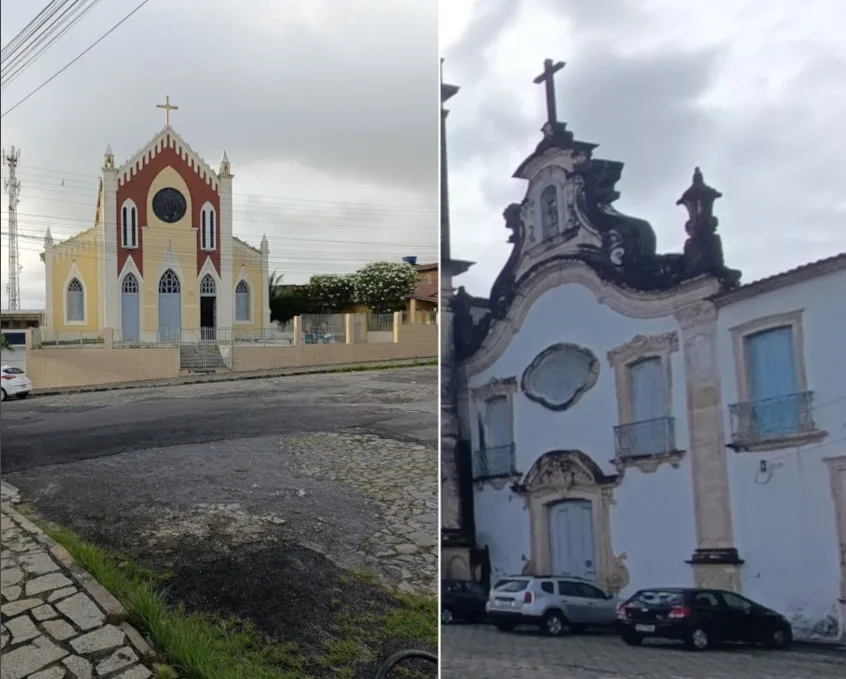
(160, 263)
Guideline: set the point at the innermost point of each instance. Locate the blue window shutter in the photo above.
(772, 380)
(647, 390)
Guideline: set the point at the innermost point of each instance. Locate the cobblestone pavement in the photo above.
(58, 623)
(482, 652)
(401, 479)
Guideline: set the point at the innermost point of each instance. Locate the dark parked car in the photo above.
(701, 618)
(462, 600)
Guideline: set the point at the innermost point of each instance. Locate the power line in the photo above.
(75, 59)
(16, 68)
(28, 30)
(93, 182)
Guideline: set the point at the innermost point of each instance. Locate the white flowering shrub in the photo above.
(384, 286)
(331, 292)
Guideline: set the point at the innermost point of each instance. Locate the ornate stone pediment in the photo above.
(561, 470)
(560, 375)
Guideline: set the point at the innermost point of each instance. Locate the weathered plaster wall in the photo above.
(784, 518)
(502, 523)
(652, 515)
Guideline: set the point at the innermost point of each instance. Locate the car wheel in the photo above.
(698, 639)
(23, 394)
(554, 624)
(633, 639)
(447, 618)
(779, 638)
(2, 394)
(505, 626)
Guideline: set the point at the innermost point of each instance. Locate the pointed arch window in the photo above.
(130, 284)
(169, 283)
(208, 236)
(242, 302)
(208, 288)
(129, 225)
(75, 304)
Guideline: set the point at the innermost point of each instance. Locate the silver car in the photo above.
(555, 604)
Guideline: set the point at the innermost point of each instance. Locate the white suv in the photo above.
(13, 382)
(553, 603)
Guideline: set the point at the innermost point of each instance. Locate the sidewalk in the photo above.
(57, 621)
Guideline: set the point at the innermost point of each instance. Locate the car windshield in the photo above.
(658, 597)
(512, 585)
(13, 371)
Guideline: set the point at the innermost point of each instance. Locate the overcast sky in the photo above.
(328, 110)
(751, 91)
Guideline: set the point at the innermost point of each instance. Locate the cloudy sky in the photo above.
(328, 111)
(751, 91)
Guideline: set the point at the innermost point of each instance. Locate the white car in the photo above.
(13, 382)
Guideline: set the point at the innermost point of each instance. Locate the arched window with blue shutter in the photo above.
(242, 301)
(75, 302)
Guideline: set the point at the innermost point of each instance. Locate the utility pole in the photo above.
(13, 186)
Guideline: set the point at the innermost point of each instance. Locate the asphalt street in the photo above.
(214, 483)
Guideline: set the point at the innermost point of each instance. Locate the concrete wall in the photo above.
(784, 518)
(652, 520)
(88, 365)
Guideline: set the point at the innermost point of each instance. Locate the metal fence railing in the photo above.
(648, 437)
(771, 418)
(493, 461)
(323, 328)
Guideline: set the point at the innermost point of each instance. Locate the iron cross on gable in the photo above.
(550, 68)
(167, 108)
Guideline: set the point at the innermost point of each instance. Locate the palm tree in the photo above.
(274, 285)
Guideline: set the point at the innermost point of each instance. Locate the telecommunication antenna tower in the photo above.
(12, 185)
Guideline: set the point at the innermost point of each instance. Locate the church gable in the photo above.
(567, 218)
(167, 140)
(168, 149)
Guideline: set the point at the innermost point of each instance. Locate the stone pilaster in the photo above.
(715, 560)
(226, 305)
(109, 287)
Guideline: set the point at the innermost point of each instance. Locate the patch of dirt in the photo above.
(227, 526)
(297, 596)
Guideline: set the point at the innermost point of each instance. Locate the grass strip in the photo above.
(205, 646)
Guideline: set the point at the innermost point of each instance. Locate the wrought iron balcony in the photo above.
(772, 418)
(647, 437)
(493, 461)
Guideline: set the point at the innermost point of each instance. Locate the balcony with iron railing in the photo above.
(645, 438)
(782, 419)
(493, 461)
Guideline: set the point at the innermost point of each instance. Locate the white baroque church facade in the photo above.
(642, 419)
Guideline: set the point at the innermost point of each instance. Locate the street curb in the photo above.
(236, 377)
(115, 612)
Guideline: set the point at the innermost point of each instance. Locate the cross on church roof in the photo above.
(167, 108)
(550, 68)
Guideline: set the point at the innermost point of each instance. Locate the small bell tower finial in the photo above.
(108, 157)
(48, 239)
(225, 168)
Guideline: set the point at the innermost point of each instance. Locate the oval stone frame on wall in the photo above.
(560, 394)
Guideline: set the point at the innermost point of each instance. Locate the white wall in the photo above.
(784, 519)
(652, 521)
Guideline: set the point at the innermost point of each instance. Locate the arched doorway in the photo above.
(130, 318)
(170, 307)
(208, 308)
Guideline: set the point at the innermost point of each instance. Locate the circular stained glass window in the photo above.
(169, 205)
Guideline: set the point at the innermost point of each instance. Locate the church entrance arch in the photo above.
(208, 308)
(170, 307)
(569, 500)
(130, 309)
